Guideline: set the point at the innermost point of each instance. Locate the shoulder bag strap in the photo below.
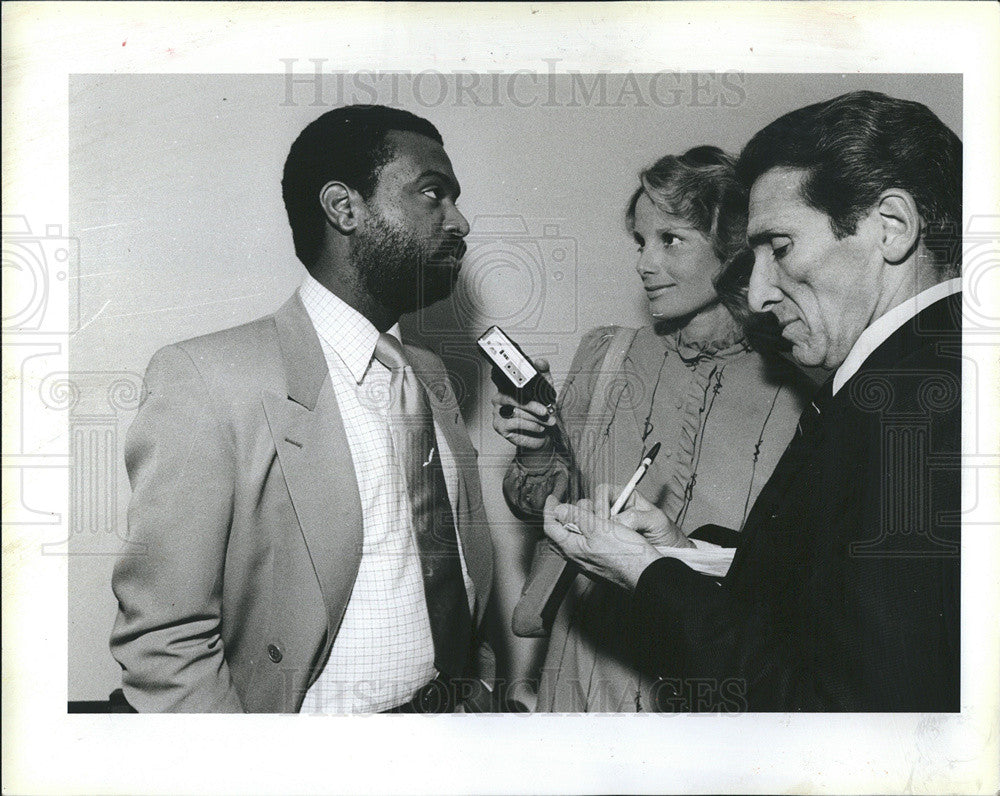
(604, 399)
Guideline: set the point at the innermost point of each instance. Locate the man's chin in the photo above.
(430, 297)
(421, 298)
(439, 283)
(807, 357)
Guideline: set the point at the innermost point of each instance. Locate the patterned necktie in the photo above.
(413, 437)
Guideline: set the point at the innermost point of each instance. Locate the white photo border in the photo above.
(48, 751)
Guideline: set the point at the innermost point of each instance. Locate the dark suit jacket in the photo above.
(245, 519)
(844, 592)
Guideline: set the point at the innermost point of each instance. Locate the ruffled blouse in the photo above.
(722, 413)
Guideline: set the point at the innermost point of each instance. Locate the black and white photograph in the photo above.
(618, 407)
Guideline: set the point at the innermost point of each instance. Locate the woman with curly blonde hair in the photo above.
(722, 411)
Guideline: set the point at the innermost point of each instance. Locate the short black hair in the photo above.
(347, 144)
(856, 146)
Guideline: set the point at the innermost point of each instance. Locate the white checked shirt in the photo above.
(383, 651)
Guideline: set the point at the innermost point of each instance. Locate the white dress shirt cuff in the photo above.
(704, 557)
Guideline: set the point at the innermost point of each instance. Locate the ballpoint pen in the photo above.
(633, 482)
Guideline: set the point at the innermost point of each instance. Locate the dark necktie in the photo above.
(414, 440)
(811, 419)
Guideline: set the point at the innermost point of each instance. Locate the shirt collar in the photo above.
(344, 330)
(882, 328)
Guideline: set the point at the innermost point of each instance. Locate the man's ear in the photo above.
(901, 224)
(340, 205)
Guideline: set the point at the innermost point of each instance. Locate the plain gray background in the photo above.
(175, 200)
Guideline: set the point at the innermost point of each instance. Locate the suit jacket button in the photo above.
(274, 653)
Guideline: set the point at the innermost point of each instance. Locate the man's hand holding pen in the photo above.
(600, 545)
(615, 539)
(641, 516)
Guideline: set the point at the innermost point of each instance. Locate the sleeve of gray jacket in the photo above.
(168, 581)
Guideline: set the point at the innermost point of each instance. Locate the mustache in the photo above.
(450, 249)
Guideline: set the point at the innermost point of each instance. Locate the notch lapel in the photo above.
(797, 462)
(313, 451)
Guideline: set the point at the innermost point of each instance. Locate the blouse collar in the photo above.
(730, 343)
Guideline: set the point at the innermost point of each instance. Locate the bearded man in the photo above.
(305, 495)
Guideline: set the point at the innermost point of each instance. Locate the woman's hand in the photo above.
(525, 425)
(642, 516)
(601, 546)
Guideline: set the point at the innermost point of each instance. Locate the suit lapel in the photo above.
(934, 326)
(814, 423)
(309, 436)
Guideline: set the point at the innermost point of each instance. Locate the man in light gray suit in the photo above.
(290, 561)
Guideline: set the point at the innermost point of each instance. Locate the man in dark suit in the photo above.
(844, 590)
(305, 497)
